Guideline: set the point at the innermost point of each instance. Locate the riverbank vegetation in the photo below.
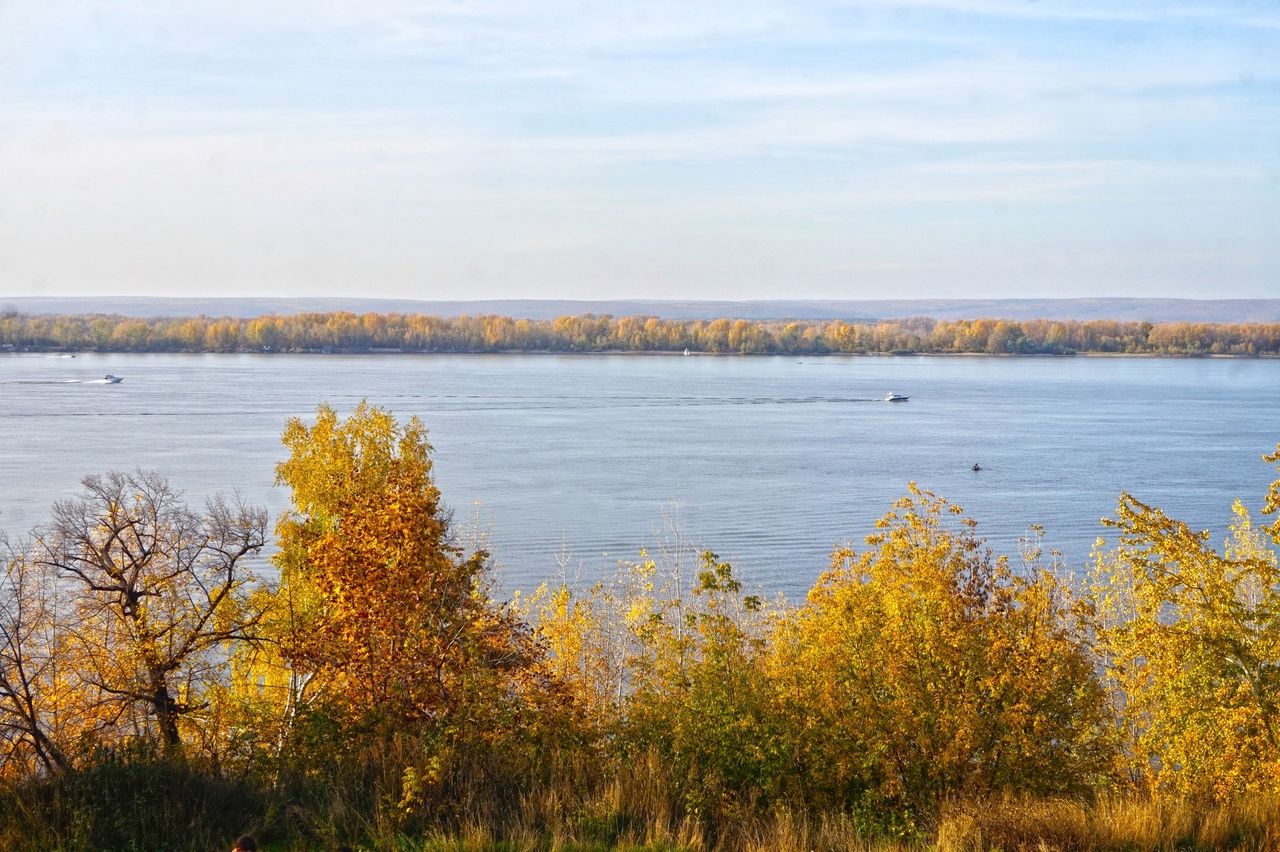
(346, 332)
(166, 685)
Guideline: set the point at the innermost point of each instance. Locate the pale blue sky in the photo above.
(747, 149)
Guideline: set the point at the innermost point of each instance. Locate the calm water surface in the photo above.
(770, 462)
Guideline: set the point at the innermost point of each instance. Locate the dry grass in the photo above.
(1111, 823)
(582, 806)
(637, 808)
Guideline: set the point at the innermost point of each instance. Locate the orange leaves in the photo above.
(392, 620)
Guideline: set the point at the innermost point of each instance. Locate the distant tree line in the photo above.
(347, 332)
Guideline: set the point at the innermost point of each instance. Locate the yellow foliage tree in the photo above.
(381, 614)
(590, 643)
(699, 695)
(666, 662)
(1190, 639)
(923, 668)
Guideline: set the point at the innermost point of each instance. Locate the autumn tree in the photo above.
(1190, 639)
(155, 594)
(590, 638)
(923, 667)
(31, 671)
(664, 658)
(598, 634)
(700, 697)
(388, 616)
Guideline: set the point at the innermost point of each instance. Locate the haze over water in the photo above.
(770, 462)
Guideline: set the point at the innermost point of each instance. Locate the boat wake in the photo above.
(57, 382)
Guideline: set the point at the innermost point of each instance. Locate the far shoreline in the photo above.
(586, 334)
(365, 353)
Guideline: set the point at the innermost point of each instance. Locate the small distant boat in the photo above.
(895, 397)
(976, 467)
(686, 351)
(114, 380)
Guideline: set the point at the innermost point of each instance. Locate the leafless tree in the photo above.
(159, 591)
(28, 668)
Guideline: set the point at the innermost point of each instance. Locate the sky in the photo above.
(659, 149)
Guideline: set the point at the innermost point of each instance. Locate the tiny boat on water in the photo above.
(115, 380)
(895, 397)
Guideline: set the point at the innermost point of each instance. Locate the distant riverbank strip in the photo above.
(342, 332)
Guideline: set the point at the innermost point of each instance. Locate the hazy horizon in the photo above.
(483, 149)
(1110, 308)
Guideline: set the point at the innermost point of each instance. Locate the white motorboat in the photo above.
(114, 380)
(895, 397)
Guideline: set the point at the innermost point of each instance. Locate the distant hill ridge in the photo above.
(1127, 309)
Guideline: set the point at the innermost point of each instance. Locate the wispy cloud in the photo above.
(574, 148)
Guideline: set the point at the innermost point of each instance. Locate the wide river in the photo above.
(575, 462)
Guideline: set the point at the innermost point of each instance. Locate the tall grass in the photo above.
(571, 804)
(580, 806)
(129, 804)
(1110, 823)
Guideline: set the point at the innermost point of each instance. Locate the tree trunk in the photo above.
(167, 712)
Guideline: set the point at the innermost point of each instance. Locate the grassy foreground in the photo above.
(154, 806)
(1133, 825)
